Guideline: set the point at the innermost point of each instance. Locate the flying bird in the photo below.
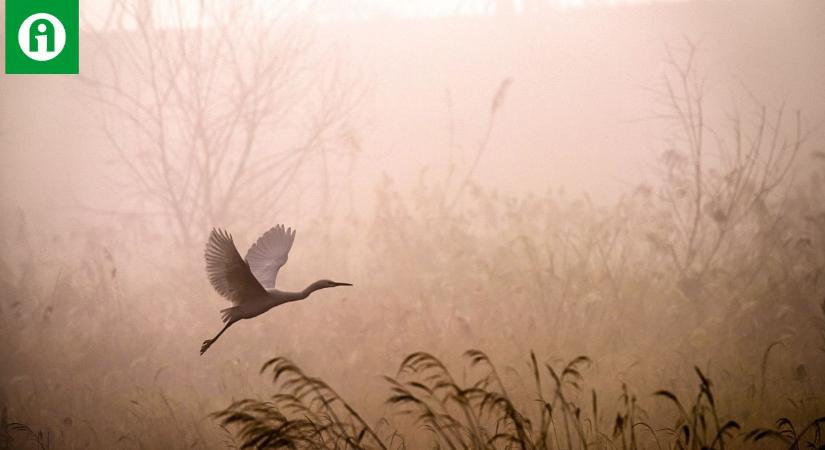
(249, 283)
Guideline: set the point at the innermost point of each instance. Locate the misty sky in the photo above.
(94, 10)
(576, 115)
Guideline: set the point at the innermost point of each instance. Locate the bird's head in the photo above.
(323, 284)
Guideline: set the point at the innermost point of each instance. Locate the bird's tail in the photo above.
(228, 314)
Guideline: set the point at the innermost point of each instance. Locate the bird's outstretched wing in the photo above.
(227, 272)
(269, 254)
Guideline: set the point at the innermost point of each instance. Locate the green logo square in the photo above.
(42, 36)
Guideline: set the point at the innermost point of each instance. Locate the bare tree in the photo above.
(214, 108)
(722, 183)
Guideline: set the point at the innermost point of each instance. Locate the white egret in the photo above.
(250, 284)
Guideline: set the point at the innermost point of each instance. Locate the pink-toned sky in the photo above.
(575, 115)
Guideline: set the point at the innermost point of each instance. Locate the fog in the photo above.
(599, 223)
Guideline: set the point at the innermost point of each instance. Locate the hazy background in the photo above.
(493, 176)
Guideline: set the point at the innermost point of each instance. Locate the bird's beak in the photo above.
(342, 284)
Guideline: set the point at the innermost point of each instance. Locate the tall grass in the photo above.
(100, 325)
(305, 412)
(99, 330)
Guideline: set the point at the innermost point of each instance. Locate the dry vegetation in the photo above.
(100, 332)
(697, 300)
(102, 339)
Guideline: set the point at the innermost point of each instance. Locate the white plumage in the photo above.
(250, 283)
(269, 254)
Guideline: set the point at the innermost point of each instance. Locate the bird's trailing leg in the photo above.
(208, 343)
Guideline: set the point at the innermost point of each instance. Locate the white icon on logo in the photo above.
(41, 37)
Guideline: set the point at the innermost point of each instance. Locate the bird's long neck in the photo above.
(280, 297)
(310, 289)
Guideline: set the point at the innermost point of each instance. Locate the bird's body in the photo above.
(259, 305)
(250, 283)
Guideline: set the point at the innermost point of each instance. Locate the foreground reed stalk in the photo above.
(437, 411)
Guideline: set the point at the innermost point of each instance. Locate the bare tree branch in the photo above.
(191, 105)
